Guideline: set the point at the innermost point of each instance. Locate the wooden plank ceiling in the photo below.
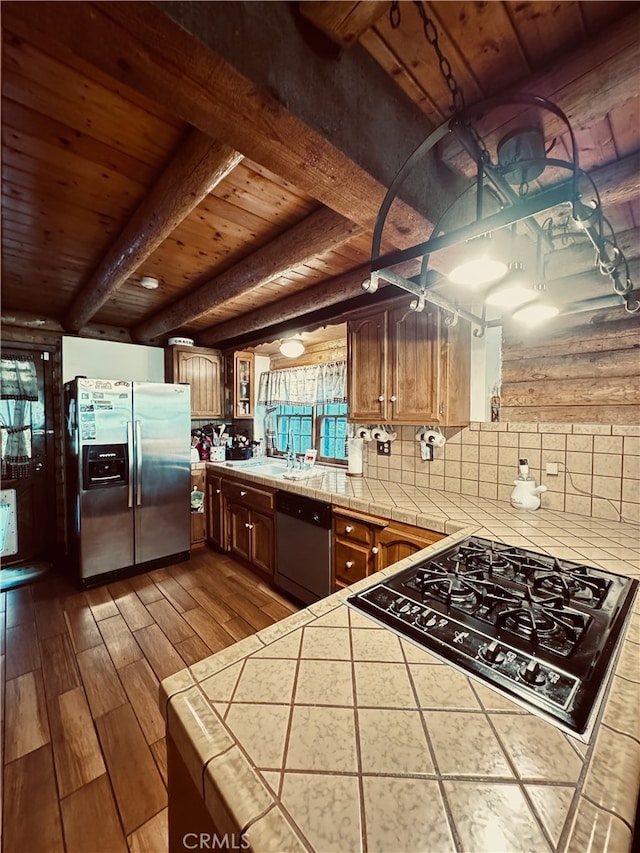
(131, 148)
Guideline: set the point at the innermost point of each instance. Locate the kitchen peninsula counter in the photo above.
(326, 732)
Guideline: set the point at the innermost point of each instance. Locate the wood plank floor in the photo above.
(82, 745)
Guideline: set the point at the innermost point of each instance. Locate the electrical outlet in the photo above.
(552, 469)
(384, 448)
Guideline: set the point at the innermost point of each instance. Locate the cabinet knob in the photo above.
(348, 564)
(348, 528)
(375, 549)
(381, 398)
(393, 398)
(218, 491)
(242, 494)
(249, 526)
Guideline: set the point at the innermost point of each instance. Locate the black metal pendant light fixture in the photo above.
(505, 204)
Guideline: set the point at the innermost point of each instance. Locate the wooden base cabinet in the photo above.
(354, 548)
(408, 367)
(364, 544)
(250, 525)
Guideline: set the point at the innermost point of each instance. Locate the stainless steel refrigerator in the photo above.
(128, 475)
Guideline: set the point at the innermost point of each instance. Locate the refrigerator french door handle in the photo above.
(138, 465)
(130, 454)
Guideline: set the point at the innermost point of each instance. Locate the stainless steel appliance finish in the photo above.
(303, 546)
(128, 474)
(543, 631)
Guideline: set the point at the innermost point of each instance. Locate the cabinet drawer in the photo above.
(237, 492)
(354, 531)
(350, 563)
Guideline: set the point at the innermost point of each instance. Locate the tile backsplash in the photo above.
(598, 464)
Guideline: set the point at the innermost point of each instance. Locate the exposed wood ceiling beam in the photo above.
(608, 65)
(344, 22)
(321, 295)
(38, 326)
(318, 233)
(617, 182)
(198, 165)
(140, 46)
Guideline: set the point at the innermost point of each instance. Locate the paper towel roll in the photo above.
(354, 457)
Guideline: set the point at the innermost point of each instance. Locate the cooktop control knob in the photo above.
(532, 673)
(493, 653)
(426, 619)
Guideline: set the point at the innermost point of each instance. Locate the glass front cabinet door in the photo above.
(244, 385)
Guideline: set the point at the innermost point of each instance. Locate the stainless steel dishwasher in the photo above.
(303, 546)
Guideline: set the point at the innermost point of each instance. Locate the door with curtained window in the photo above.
(27, 502)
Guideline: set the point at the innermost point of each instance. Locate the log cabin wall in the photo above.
(598, 464)
(581, 369)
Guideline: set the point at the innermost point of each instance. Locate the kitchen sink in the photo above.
(269, 468)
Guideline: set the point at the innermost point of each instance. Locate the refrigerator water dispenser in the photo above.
(104, 465)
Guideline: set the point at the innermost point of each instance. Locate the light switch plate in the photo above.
(552, 469)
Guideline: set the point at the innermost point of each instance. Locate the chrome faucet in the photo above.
(291, 459)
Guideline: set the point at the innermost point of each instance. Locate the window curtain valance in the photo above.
(18, 379)
(312, 385)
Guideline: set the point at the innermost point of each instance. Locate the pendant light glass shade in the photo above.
(512, 291)
(478, 267)
(292, 348)
(536, 313)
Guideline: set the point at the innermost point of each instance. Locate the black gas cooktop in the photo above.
(541, 630)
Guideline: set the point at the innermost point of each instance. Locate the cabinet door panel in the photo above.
(203, 373)
(416, 365)
(214, 512)
(394, 545)
(262, 541)
(239, 531)
(367, 374)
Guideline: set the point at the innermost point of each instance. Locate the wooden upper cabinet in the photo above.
(202, 369)
(244, 391)
(367, 368)
(408, 367)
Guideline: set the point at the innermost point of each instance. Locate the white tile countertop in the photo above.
(326, 732)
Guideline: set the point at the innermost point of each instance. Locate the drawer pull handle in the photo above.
(242, 494)
(348, 564)
(375, 549)
(348, 528)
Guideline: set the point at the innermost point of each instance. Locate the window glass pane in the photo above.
(333, 431)
(294, 428)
